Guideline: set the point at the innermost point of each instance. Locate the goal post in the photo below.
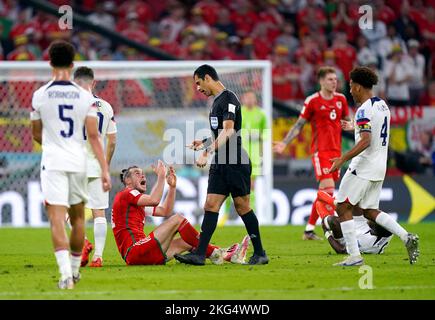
(156, 105)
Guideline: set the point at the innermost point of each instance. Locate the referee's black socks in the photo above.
(207, 229)
(251, 224)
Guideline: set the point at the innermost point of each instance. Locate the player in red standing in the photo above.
(130, 208)
(324, 110)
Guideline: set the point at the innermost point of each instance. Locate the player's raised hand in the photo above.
(278, 146)
(201, 162)
(347, 125)
(105, 179)
(196, 145)
(336, 164)
(171, 177)
(160, 169)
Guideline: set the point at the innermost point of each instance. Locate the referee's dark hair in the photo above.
(84, 73)
(61, 54)
(125, 173)
(201, 71)
(364, 76)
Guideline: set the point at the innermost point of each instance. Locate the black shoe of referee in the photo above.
(190, 258)
(257, 259)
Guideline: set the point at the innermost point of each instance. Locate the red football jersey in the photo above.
(128, 219)
(324, 116)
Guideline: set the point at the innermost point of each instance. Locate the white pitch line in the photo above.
(118, 293)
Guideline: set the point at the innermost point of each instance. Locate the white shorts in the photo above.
(64, 188)
(98, 199)
(358, 191)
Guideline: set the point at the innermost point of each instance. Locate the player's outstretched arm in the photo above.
(167, 208)
(91, 125)
(153, 199)
(279, 146)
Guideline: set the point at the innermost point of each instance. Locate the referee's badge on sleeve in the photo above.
(214, 122)
(231, 108)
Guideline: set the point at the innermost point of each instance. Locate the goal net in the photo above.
(157, 110)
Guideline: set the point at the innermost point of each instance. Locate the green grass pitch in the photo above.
(297, 270)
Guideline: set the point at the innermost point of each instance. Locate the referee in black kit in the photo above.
(231, 171)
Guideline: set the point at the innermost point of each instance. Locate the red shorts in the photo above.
(146, 251)
(321, 162)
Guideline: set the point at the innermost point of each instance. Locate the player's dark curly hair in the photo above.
(125, 173)
(61, 54)
(201, 71)
(364, 76)
(84, 73)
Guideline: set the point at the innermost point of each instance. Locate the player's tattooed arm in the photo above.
(294, 131)
(279, 146)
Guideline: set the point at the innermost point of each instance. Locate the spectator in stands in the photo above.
(379, 88)
(344, 54)
(307, 78)
(262, 43)
(285, 76)
(312, 19)
(387, 43)
(198, 25)
(211, 10)
(224, 23)
(244, 17)
(101, 16)
(344, 18)
(364, 53)
(386, 14)
(268, 13)
(405, 26)
(398, 73)
(85, 46)
(417, 61)
(135, 30)
(176, 21)
(287, 38)
(375, 34)
(21, 52)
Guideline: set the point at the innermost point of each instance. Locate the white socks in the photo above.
(309, 227)
(349, 234)
(64, 263)
(100, 232)
(76, 259)
(386, 221)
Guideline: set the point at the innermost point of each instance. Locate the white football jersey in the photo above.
(106, 125)
(63, 106)
(367, 242)
(372, 116)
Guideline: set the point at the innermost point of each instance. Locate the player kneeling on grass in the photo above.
(371, 237)
(132, 205)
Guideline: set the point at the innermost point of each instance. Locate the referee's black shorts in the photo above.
(226, 179)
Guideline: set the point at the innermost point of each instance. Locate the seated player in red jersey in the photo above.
(129, 211)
